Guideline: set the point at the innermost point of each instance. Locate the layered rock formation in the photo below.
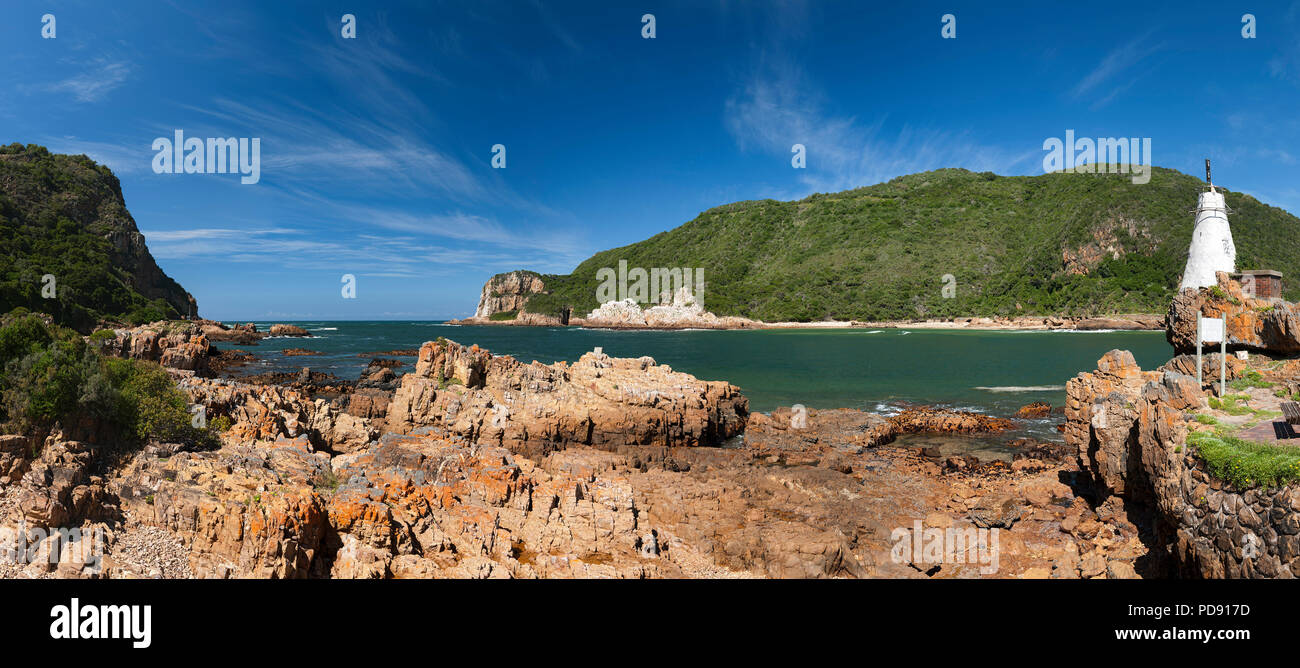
(823, 499)
(215, 331)
(1254, 324)
(508, 292)
(1129, 429)
(179, 345)
(270, 412)
(598, 400)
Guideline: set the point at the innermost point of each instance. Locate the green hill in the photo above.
(1065, 244)
(63, 216)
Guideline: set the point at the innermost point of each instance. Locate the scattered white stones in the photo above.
(152, 552)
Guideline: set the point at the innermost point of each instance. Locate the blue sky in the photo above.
(376, 151)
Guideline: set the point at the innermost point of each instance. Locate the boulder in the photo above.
(927, 419)
(1038, 409)
(288, 330)
(598, 400)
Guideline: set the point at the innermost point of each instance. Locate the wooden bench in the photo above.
(1291, 411)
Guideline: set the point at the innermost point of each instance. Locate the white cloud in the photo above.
(93, 85)
(1100, 85)
(779, 108)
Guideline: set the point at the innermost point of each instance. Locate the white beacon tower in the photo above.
(1212, 248)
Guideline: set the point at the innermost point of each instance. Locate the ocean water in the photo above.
(993, 372)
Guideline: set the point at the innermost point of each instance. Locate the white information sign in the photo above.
(1211, 330)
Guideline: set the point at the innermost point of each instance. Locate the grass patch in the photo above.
(1251, 378)
(1206, 419)
(1228, 403)
(1246, 464)
(504, 315)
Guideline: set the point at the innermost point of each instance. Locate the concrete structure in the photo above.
(1212, 249)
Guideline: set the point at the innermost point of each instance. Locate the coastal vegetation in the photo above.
(50, 374)
(1054, 244)
(69, 248)
(1251, 378)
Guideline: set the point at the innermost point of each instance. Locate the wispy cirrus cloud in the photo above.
(92, 85)
(1114, 74)
(375, 255)
(312, 147)
(779, 107)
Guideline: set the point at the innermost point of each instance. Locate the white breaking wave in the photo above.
(1023, 388)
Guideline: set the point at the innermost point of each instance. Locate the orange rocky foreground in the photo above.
(824, 501)
(603, 468)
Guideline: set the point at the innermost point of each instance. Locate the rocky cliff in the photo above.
(508, 292)
(1130, 432)
(175, 344)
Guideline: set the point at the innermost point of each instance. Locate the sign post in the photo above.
(1209, 330)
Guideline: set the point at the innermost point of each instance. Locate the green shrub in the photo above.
(45, 384)
(149, 405)
(54, 375)
(504, 315)
(21, 334)
(326, 481)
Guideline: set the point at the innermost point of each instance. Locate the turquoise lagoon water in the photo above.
(994, 372)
